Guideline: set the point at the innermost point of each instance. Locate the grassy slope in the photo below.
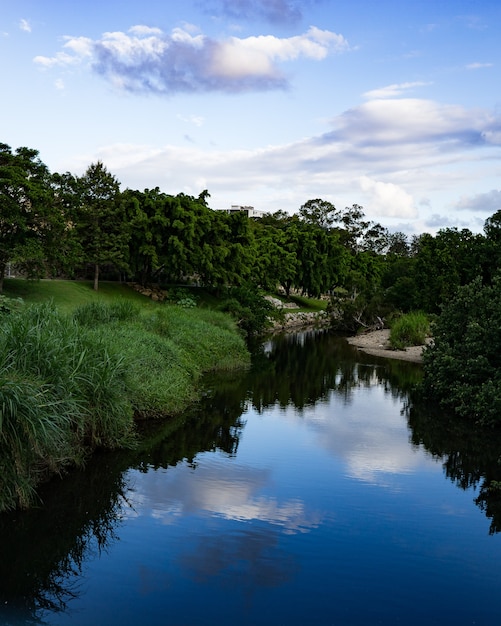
(67, 295)
(149, 363)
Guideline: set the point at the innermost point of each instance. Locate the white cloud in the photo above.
(196, 120)
(392, 91)
(392, 152)
(146, 60)
(79, 48)
(478, 66)
(25, 26)
(388, 199)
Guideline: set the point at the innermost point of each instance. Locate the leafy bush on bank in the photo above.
(462, 368)
(70, 384)
(249, 308)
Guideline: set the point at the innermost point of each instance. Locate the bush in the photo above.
(250, 309)
(462, 368)
(10, 305)
(410, 329)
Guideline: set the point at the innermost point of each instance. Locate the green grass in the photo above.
(410, 329)
(70, 294)
(77, 366)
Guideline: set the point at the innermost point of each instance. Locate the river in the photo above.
(309, 490)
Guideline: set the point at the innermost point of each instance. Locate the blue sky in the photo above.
(394, 105)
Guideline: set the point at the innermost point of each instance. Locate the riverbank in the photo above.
(75, 383)
(377, 342)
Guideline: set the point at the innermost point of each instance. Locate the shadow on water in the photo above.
(43, 550)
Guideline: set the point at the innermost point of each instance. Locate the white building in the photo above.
(249, 210)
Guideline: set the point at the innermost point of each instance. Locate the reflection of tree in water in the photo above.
(470, 455)
(43, 550)
(303, 368)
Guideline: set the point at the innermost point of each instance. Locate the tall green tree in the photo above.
(445, 262)
(102, 227)
(26, 208)
(63, 250)
(320, 213)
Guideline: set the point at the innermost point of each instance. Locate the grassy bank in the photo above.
(78, 368)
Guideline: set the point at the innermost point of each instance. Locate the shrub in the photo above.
(249, 307)
(10, 305)
(410, 329)
(462, 368)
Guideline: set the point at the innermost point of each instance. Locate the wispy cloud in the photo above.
(25, 26)
(393, 91)
(415, 121)
(437, 222)
(147, 60)
(478, 66)
(196, 120)
(377, 154)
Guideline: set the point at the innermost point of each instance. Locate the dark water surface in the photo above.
(307, 491)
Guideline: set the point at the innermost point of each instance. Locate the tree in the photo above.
(26, 216)
(101, 225)
(462, 368)
(63, 249)
(444, 263)
(275, 261)
(320, 213)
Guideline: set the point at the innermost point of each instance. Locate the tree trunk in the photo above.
(2, 275)
(96, 276)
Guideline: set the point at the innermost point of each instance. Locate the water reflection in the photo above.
(471, 457)
(172, 478)
(227, 491)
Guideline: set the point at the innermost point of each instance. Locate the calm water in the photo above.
(308, 491)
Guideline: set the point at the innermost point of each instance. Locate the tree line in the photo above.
(62, 225)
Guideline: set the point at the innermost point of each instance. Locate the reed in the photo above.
(410, 329)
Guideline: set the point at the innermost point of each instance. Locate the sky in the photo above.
(393, 105)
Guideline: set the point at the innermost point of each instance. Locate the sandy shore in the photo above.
(377, 343)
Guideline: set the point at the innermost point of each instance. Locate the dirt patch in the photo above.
(377, 343)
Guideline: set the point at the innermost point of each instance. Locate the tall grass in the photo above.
(410, 329)
(165, 352)
(69, 384)
(61, 393)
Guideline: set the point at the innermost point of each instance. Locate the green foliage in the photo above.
(27, 218)
(463, 365)
(61, 393)
(410, 329)
(102, 227)
(9, 305)
(249, 307)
